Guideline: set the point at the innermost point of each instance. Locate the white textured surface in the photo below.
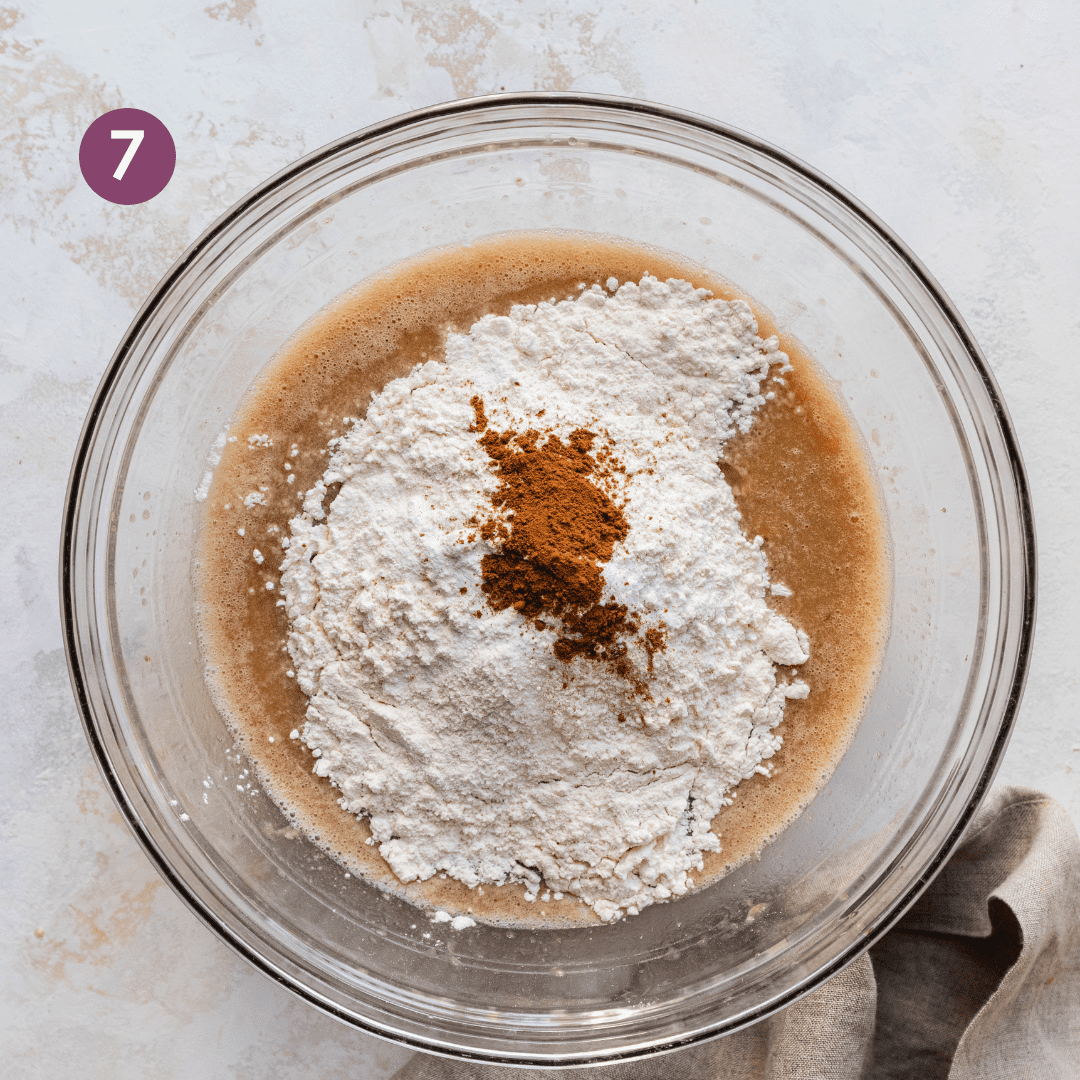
(953, 119)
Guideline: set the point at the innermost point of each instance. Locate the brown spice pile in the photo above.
(562, 528)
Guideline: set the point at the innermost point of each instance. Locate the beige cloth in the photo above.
(979, 981)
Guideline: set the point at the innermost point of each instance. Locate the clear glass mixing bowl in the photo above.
(934, 425)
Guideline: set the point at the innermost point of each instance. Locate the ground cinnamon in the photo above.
(555, 529)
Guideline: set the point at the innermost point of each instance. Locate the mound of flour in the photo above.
(473, 750)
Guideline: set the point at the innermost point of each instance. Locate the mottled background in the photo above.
(955, 120)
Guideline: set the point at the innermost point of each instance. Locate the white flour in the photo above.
(473, 750)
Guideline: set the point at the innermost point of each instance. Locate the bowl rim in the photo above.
(80, 678)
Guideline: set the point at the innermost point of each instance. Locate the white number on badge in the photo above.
(136, 138)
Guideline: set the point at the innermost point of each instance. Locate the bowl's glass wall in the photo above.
(951, 483)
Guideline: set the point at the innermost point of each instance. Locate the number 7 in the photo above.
(136, 138)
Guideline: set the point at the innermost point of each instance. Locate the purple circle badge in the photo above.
(127, 156)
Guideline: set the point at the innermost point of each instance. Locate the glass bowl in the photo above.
(960, 527)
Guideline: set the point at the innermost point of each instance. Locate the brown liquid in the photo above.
(800, 479)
